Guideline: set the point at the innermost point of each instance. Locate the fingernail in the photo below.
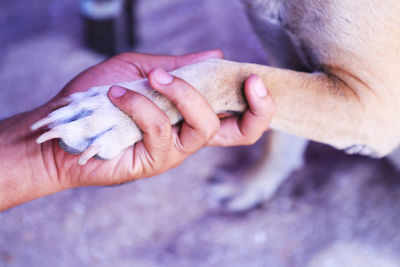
(117, 91)
(260, 89)
(162, 77)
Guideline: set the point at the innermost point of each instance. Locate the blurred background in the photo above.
(337, 210)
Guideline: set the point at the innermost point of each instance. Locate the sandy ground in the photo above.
(337, 210)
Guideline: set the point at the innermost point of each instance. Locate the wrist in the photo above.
(27, 169)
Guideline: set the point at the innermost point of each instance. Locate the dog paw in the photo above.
(91, 124)
(240, 194)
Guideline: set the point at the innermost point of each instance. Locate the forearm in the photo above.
(25, 174)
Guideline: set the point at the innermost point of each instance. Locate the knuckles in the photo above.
(161, 127)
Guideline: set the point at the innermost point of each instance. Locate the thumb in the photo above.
(258, 98)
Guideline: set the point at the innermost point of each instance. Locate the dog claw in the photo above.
(88, 154)
(40, 123)
(61, 103)
(47, 136)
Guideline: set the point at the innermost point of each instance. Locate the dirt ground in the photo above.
(337, 210)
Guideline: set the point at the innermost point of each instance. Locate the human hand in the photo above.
(163, 147)
(29, 171)
(48, 169)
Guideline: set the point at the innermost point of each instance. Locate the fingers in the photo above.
(154, 123)
(249, 128)
(164, 147)
(147, 62)
(169, 63)
(201, 122)
(188, 59)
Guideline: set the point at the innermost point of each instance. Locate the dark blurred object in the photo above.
(109, 25)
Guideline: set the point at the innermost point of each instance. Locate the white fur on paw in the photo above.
(241, 197)
(91, 124)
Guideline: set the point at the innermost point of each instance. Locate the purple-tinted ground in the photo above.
(337, 210)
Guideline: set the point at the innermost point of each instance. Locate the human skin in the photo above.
(29, 171)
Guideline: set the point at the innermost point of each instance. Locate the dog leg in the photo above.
(283, 154)
(325, 108)
(313, 106)
(258, 182)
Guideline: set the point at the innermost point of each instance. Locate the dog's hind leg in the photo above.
(283, 153)
(241, 191)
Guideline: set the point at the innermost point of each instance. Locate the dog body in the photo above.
(335, 80)
(351, 98)
(339, 39)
